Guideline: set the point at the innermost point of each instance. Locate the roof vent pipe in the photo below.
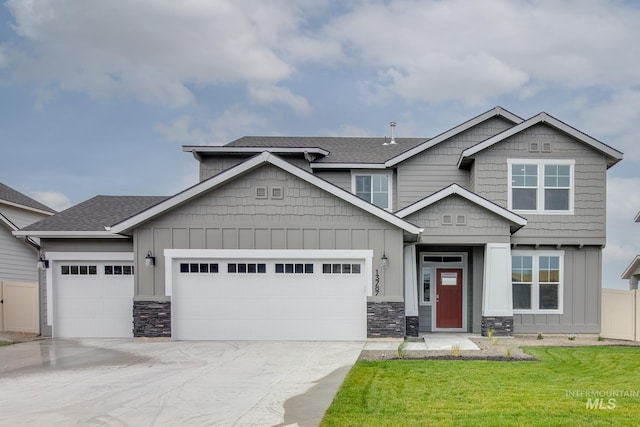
(393, 133)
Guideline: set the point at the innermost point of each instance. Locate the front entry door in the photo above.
(449, 298)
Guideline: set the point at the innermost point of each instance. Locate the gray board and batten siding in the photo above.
(587, 224)
(581, 297)
(232, 217)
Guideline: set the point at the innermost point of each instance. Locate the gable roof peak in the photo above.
(613, 155)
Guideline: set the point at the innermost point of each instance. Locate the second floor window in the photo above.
(541, 186)
(374, 188)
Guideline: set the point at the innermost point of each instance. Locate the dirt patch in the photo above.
(497, 349)
(18, 337)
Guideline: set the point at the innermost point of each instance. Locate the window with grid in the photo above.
(374, 188)
(541, 186)
(536, 282)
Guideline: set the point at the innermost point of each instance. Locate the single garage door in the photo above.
(267, 299)
(93, 299)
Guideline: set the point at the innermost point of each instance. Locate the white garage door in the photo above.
(267, 299)
(93, 299)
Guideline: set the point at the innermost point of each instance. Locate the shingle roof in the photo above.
(96, 213)
(341, 149)
(10, 195)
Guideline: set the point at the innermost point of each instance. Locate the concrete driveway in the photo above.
(125, 383)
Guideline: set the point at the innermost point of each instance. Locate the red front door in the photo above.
(449, 298)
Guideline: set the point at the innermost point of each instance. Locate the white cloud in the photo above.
(55, 200)
(152, 49)
(426, 50)
(268, 94)
(471, 51)
(233, 123)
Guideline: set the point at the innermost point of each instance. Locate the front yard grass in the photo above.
(554, 391)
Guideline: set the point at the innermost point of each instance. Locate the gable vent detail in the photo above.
(277, 192)
(546, 147)
(447, 219)
(534, 147)
(461, 220)
(261, 192)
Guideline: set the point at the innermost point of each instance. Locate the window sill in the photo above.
(538, 312)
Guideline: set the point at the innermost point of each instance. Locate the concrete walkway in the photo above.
(430, 342)
(58, 382)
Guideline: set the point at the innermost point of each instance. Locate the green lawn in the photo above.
(490, 393)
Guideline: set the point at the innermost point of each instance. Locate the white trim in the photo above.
(472, 197)
(497, 111)
(497, 299)
(26, 208)
(410, 279)
(248, 165)
(631, 268)
(535, 284)
(76, 256)
(252, 150)
(8, 223)
(387, 173)
(435, 266)
(348, 166)
(271, 254)
(540, 187)
(552, 121)
(69, 234)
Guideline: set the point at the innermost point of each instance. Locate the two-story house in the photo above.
(496, 224)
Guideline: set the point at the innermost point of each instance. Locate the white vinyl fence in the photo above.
(620, 314)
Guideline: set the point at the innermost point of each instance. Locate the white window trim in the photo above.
(388, 173)
(535, 285)
(540, 163)
(437, 265)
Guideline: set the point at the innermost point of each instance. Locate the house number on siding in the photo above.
(377, 287)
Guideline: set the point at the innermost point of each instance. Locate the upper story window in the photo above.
(541, 186)
(373, 187)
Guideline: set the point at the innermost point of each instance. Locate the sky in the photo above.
(97, 97)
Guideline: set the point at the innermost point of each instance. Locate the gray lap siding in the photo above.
(436, 168)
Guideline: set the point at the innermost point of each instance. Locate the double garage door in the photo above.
(282, 298)
(218, 296)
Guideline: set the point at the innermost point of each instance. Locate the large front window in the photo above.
(537, 281)
(374, 188)
(542, 186)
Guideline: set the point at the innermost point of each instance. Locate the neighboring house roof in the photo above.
(91, 218)
(633, 267)
(637, 218)
(495, 112)
(466, 194)
(613, 155)
(246, 166)
(15, 198)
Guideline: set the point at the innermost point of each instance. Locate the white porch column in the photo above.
(411, 292)
(410, 282)
(497, 300)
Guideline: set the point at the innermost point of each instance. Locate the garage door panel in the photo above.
(269, 305)
(92, 305)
